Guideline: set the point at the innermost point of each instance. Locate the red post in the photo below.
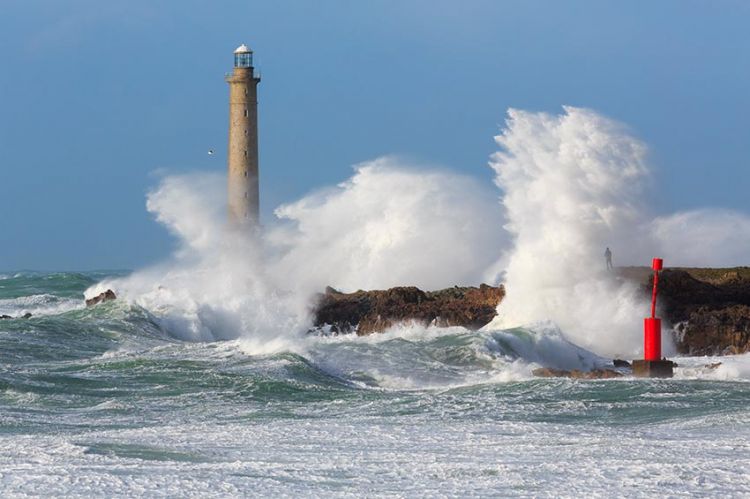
(651, 338)
(652, 325)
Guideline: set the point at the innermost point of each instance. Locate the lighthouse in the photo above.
(242, 157)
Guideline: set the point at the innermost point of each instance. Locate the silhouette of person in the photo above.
(608, 257)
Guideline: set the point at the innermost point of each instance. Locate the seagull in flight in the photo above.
(210, 152)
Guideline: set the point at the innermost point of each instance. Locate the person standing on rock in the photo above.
(608, 258)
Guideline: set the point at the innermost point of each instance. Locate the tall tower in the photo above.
(242, 159)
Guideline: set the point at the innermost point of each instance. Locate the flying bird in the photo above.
(210, 152)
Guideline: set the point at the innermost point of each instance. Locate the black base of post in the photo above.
(653, 368)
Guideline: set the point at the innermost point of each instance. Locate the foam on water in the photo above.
(201, 379)
(414, 411)
(375, 457)
(571, 185)
(723, 368)
(529, 437)
(42, 304)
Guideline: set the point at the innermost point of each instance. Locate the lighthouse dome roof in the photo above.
(242, 49)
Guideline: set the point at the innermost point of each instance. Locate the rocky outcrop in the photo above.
(101, 297)
(715, 331)
(366, 312)
(548, 372)
(710, 308)
(27, 315)
(681, 293)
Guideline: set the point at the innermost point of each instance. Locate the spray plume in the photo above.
(389, 224)
(571, 185)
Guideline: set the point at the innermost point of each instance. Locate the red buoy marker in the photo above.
(652, 365)
(652, 325)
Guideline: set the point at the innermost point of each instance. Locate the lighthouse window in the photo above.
(245, 153)
(246, 131)
(245, 112)
(243, 60)
(245, 173)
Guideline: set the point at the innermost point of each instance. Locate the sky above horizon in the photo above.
(100, 98)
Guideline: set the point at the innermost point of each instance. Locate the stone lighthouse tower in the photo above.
(242, 158)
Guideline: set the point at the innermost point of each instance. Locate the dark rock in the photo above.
(548, 372)
(27, 315)
(663, 368)
(715, 331)
(101, 297)
(621, 363)
(710, 308)
(368, 312)
(680, 294)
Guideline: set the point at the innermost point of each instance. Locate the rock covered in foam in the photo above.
(366, 312)
(548, 372)
(27, 315)
(101, 297)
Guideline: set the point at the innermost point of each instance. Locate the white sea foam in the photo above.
(543, 344)
(721, 368)
(414, 357)
(433, 454)
(571, 185)
(389, 224)
(574, 184)
(39, 304)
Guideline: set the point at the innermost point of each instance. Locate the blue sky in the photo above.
(97, 96)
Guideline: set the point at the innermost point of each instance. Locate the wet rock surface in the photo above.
(27, 315)
(548, 372)
(709, 308)
(715, 331)
(366, 312)
(101, 297)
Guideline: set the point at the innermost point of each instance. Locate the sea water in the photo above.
(107, 401)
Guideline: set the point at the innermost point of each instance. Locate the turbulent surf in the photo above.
(105, 400)
(202, 378)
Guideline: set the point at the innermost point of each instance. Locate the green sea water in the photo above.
(108, 401)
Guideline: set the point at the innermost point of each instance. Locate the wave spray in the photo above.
(573, 185)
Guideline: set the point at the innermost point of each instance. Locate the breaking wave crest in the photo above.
(570, 185)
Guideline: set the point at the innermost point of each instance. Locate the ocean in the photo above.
(107, 402)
